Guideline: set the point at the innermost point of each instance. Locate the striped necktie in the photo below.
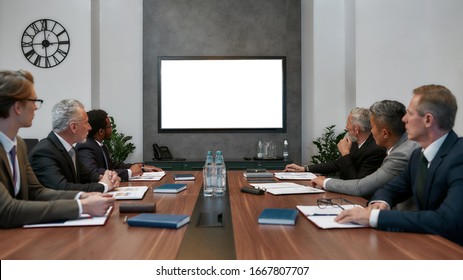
(13, 169)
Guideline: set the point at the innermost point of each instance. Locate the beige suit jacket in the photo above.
(34, 203)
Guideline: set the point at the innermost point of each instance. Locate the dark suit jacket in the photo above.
(34, 203)
(91, 155)
(442, 211)
(54, 167)
(356, 165)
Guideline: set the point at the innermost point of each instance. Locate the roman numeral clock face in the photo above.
(45, 43)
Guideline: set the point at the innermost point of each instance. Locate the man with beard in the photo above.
(55, 160)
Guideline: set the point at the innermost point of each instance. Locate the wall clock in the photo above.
(45, 43)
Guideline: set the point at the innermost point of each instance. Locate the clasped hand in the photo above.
(96, 204)
(111, 179)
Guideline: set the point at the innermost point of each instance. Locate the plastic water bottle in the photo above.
(285, 149)
(209, 158)
(221, 174)
(260, 149)
(208, 175)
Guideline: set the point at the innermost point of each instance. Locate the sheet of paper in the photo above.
(149, 176)
(85, 220)
(324, 218)
(129, 192)
(295, 175)
(286, 188)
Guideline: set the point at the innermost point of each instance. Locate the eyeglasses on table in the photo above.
(334, 202)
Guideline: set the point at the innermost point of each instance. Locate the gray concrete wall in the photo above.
(221, 28)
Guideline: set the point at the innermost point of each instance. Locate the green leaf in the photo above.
(327, 145)
(118, 145)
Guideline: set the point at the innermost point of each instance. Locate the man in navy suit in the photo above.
(434, 176)
(95, 156)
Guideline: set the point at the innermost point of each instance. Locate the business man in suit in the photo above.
(55, 161)
(95, 156)
(360, 156)
(23, 200)
(388, 130)
(434, 176)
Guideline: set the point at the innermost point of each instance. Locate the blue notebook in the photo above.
(278, 216)
(184, 177)
(158, 220)
(170, 188)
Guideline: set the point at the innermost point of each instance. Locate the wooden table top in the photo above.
(117, 240)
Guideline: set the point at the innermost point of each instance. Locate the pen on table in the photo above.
(322, 214)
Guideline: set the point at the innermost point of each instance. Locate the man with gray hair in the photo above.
(23, 200)
(388, 130)
(433, 176)
(360, 156)
(55, 160)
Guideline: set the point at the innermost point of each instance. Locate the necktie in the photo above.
(105, 156)
(13, 164)
(421, 178)
(72, 153)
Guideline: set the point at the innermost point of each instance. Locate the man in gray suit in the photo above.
(389, 131)
(433, 178)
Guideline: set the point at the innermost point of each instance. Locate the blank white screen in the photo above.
(222, 94)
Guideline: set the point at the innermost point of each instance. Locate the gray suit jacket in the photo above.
(393, 165)
(34, 203)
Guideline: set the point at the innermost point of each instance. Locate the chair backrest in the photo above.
(30, 142)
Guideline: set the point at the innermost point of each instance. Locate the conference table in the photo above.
(237, 235)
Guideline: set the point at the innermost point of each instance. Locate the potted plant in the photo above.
(327, 145)
(118, 145)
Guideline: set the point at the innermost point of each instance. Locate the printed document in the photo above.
(324, 217)
(295, 175)
(149, 176)
(286, 188)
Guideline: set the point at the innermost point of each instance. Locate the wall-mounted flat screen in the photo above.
(200, 94)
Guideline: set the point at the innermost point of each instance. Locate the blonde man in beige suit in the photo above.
(23, 200)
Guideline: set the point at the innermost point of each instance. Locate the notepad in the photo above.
(278, 216)
(170, 188)
(158, 220)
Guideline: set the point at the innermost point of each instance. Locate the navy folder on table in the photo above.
(278, 216)
(158, 220)
(170, 188)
